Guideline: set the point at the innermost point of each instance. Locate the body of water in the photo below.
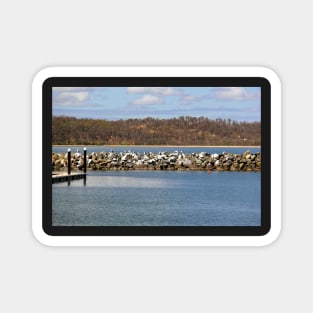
(155, 149)
(159, 198)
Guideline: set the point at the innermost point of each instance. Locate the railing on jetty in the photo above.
(62, 177)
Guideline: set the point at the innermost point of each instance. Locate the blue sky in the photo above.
(113, 103)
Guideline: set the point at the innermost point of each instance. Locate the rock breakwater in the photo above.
(112, 161)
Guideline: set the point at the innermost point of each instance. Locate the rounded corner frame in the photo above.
(262, 72)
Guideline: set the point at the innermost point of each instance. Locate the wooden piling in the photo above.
(69, 162)
(85, 160)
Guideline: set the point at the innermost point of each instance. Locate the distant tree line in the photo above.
(184, 130)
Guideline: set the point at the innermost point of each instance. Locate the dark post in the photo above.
(69, 161)
(85, 160)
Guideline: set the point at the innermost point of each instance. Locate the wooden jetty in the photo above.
(62, 177)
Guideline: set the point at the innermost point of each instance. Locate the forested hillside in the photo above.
(150, 131)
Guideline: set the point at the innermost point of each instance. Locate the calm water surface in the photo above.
(154, 198)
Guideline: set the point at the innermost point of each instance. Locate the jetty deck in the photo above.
(62, 177)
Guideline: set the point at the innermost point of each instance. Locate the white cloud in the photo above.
(187, 99)
(69, 98)
(79, 96)
(148, 99)
(164, 91)
(73, 96)
(232, 93)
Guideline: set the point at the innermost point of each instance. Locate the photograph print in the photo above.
(163, 157)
